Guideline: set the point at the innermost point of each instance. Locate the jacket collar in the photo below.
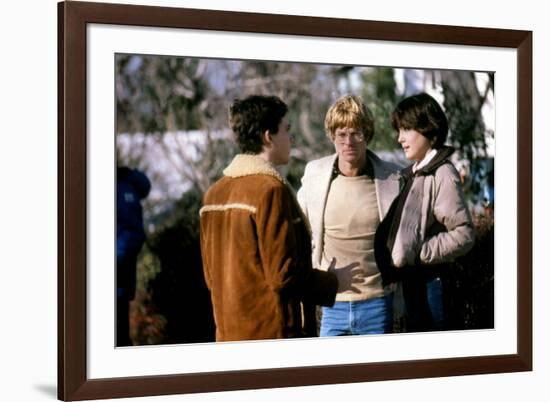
(424, 162)
(381, 169)
(246, 165)
(377, 168)
(367, 170)
(439, 159)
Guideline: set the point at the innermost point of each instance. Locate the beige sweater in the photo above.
(316, 183)
(351, 219)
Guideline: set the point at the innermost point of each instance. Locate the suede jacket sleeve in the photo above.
(285, 251)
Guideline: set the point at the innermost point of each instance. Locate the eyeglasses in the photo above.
(355, 136)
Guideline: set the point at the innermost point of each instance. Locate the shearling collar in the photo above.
(246, 165)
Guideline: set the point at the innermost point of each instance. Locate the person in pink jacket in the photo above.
(428, 224)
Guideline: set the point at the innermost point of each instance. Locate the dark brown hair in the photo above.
(251, 117)
(422, 113)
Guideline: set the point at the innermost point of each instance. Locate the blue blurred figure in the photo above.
(132, 186)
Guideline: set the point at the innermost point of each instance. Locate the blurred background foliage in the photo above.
(172, 124)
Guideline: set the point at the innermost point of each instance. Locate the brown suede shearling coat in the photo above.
(256, 250)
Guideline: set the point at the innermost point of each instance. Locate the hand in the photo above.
(346, 275)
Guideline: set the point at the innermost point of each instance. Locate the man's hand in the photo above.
(346, 275)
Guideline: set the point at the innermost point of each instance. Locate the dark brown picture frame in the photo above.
(73, 17)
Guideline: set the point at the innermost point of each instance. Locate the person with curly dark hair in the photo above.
(255, 241)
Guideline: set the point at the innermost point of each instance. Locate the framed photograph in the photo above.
(112, 112)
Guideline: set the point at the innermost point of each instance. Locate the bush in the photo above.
(173, 304)
(470, 283)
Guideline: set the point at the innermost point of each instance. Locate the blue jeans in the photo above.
(424, 304)
(374, 316)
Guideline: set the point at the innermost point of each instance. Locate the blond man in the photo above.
(345, 196)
